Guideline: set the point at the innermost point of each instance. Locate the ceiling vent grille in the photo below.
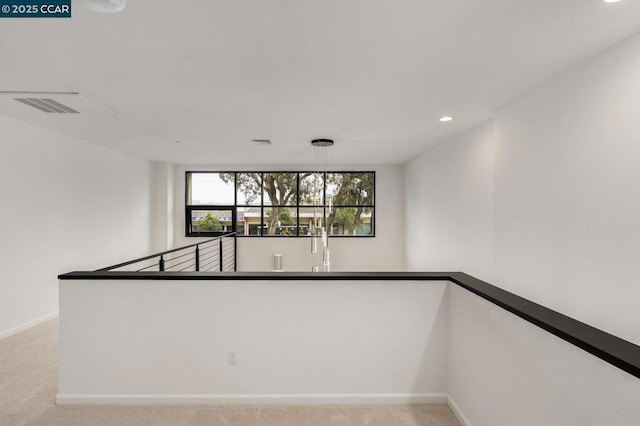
(47, 105)
(261, 141)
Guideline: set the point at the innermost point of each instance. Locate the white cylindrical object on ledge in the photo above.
(315, 269)
(326, 261)
(277, 262)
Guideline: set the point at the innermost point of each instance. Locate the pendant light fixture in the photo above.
(321, 206)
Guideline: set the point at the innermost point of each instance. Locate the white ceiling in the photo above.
(375, 75)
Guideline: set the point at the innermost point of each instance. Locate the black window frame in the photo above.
(189, 208)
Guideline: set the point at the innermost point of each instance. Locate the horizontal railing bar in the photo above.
(211, 267)
(167, 261)
(188, 266)
(153, 265)
(217, 238)
(267, 276)
(190, 253)
(212, 247)
(208, 257)
(208, 260)
(209, 248)
(177, 249)
(209, 253)
(136, 270)
(215, 260)
(166, 268)
(216, 250)
(120, 265)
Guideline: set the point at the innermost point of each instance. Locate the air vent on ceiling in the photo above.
(261, 141)
(47, 105)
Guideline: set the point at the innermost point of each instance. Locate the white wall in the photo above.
(449, 206)
(561, 227)
(66, 205)
(567, 194)
(384, 252)
(504, 371)
(162, 205)
(297, 341)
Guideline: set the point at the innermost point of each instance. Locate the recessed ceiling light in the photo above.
(612, 1)
(446, 118)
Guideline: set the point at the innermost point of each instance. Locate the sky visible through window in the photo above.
(208, 188)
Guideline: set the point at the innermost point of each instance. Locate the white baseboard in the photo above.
(270, 399)
(26, 325)
(458, 413)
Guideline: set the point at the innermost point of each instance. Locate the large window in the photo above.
(280, 204)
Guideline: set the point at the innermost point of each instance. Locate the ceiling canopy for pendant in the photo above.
(322, 142)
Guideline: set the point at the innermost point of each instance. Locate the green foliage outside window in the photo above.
(209, 223)
(284, 214)
(353, 189)
(348, 218)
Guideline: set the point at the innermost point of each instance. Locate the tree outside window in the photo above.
(209, 223)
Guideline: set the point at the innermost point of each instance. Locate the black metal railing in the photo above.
(214, 255)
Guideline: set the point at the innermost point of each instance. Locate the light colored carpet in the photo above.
(28, 385)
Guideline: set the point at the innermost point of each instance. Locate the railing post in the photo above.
(221, 267)
(197, 258)
(235, 252)
(161, 263)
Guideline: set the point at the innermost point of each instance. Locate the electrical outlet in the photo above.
(232, 358)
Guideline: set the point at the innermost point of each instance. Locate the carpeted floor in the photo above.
(28, 384)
